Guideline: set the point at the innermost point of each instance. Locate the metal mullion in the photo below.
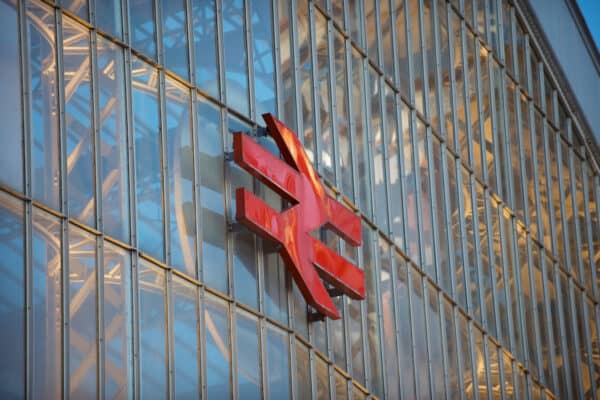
(135, 301)
(492, 260)
(549, 321)
(228, 206)
(164, 154)
(399, 134)
(295, 57)
(333, 105)
(234, 350)
(444, 335)
(65, 306)
(368, 138)
(191, 48)
(508, 197)
(573, 189)
(394, 278)
(315, 86)
(220, 50)
(312, 372)
(510, 341)
(262, 359)
(547, 171)
(101, 345)
(453, 106)
(277, 57)
(438, 78)
(535, 172)
(479, 82)
(352, 124)
(394, 42)
(425, 77)
(409, 55)
(377, 12)
(28, 208)
(463, 234)
(478, 262)
(517, 277)
(386, 157)
(158, 23)
(589, 229)
(409, 282)
(97, 160)
(64, 207)
(202, 343)
(521, 160)
(292, 352)
(565, 228)
(495, 127)
(169, 334)
(434, 207)
(536, 320)
(425, 287)
(487, 348)
(248, 38)
(448, 218)
(197, 184)
(563, 328)
(377, 268)
(575, 331)
(417, 179)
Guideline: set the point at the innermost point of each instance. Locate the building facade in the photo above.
(443, 125)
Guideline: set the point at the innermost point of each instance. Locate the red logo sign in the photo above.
(294, 178)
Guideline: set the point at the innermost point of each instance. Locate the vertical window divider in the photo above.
(169, 333)
(195, 144)
(315, 74)
(101, 346)
(465, 254)
(333, 105)
(164, 167)
(191, 48)
(277, 59)
(295, 56)
(248, 37)
(220, 50)
(430, 373)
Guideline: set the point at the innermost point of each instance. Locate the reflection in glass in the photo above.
(45, 173)
(11, 148)
(343, 123)
(434, 334)
(83, 335)
(218, 356)
(454, 386)
(417, 300)
(341, 387)
(204, 23)
(212, 199)
(46, 338)
(112, 128)
(117, 322)
(152, 328)
(236, 58)
(12, 287)
(108, 17)
(244, 246)
(377, 138)
(175, 40)
(185, 340)
(180, 159)
(278, 364)
(407, 369)
(389, 319)
(263, 57)
(78, 113)
(324, 125)
(322, 372)
(143, 27)
(147, 159)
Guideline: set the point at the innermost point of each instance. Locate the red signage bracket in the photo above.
(294, 178)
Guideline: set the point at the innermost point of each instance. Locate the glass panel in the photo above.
(454, 385)
(386, 38)
(12, 287)
(278, 364)
(275, 285)
(78, 113)
(263, 57)
(434, 334)
(373, 338)
(45, 170)
(393, 167)
(234, 46)
(83, 335)
(117, 322)
(342, 121)
(322, 372)
(305, 79)
(527, 300)
(147, 158)
(218, 356)
(439, 212)
(472, 53)
(378, 153)
(185, 340)
(152, 328)
(425, 197)
(407, 369)
(113, 140)
(568, 197)
(389, 319)
(456, 234)
(494, 369)
(464, 342)
(249, 370)
(324, 125)
(410, 187)
(487, 145)
(143, 27)
(469, 222)
(419, 333)
(560, 386)
(486, 280)
(354, 12)
(11, 141)
(244, 241)
(175, 40)
(444, 69)
(429, 23)
(514, 149)
(459, 86)
(371, 24)
(480, 363)
(354, 336)
(509, 386)
(212, 197)
(417, 55)
(77, 7)
(530, 160)
(363, 173)
(302, 372)
(544, 185)
(499, 277)
(46, 341)
(180, 156)
(108, 17)
(204, 22)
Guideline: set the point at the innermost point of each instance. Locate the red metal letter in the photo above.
(295, 179)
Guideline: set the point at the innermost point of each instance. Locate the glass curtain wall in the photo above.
(438, 122)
